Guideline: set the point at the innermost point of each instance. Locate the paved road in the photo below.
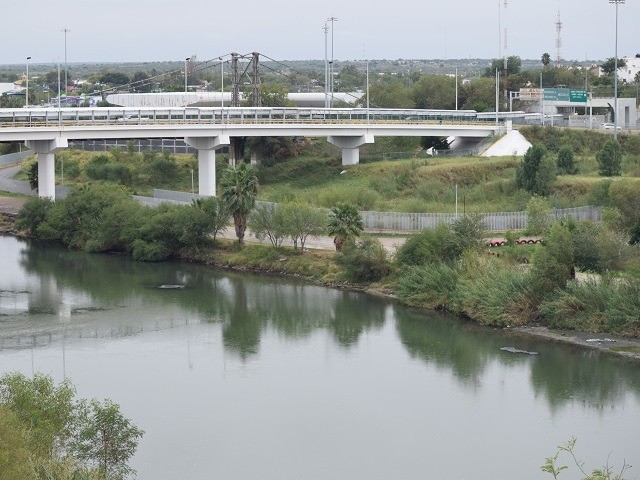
(9, 172)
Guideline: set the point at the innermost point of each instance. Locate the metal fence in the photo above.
(20, 187)
(494, 221)
(396, 221)
(380, 221)
(14, 157)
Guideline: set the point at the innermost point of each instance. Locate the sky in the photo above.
(152, 30)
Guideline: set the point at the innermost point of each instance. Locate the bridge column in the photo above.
(350, 147)
(46, 150)
(206, 147)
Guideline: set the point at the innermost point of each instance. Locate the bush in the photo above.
(33, 213)
(625, 196)
(565, 163)
(539, 216)
(610, 159)
(553, 261)
(268, 220)
(468, 231)
(164, 168)
(364, 261)
(497, 295)
(430, 286)
(632, 145)
(99, 168)
(304, 221)
(429, 247)
(595, 306)
(537, 172)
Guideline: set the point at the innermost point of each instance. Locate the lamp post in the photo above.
(66, 68)
(332, 19)
(185, 73)
(221, 83)
(615, 75)
(27, 96)
(326, 67)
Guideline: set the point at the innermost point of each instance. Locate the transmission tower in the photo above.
(559, 39)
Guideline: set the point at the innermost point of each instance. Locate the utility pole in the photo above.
(332, 19)
(186, 69)
(66, 67)
(257, 102)
(615, 75)
(326, 67)
(27, 95)
(221, 83)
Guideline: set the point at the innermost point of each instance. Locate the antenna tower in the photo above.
(506, 45)
(559, 39)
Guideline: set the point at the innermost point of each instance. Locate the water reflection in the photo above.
(55, 294)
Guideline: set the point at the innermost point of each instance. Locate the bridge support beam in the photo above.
(206, 147)
(351, 147)
(46, 150)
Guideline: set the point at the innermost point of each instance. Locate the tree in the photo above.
(345, 225)
(217, 214)
(434, 91)
(609, 65)
(239, 187)
(546, 59)
(537, 171)
(553, 261)
(514, 63)
(565, 162)
(388, 95)
(304, 221)
(107, 439)
(268, 220)
(364, 261)
(32, 175)
(610, 159)
(539, 216)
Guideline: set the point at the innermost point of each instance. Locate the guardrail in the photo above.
(70, 117)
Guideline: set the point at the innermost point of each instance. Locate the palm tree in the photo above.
(345, 225)
(546, 59)
(239, 187)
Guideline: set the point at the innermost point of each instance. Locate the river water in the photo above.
(254, 377)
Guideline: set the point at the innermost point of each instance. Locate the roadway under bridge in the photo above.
(48, 131)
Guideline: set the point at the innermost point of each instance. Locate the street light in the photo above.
(27, 96)
(332, 19)
(615, 75)
(185, 73)
(221, 83)
(66, 68)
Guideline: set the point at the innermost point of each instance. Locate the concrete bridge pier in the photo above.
(351, 147)
(206, 147)
(46, 150)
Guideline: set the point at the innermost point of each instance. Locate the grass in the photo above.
(628, 349)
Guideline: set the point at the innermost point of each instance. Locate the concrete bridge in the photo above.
(47, 131)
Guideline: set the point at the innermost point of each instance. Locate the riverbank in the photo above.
(317, 266)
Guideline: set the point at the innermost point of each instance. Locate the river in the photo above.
(241, 376)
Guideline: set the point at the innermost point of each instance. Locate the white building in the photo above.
(629, 72)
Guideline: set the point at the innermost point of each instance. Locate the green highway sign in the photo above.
(565, 95)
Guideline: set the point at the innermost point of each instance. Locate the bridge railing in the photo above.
(52, 117)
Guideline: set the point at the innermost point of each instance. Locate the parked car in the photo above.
(609, 126)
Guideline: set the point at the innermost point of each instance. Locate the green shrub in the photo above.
(268, 220)
(429, 286)
(33, 213)
(364, 261)
(625, 196)
(163, 168)
(632, 145)
(429, 246)
(553, 262)
(610, 159)
(595, 306)
(537, 172)
(468, 231)
(565, 162)
(496, 295)
(539, 217)
(99, 168)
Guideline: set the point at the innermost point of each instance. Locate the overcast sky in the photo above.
(149, 30)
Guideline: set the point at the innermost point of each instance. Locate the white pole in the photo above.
(66, 67)
(221, 83)
(497, 94)
(27, 96)
(59, 114)
(367, 91)
(456, 200)
(192, 184)
(541, 101)
(615, 79)
(456, 88)
(326, 67)
(185, 75)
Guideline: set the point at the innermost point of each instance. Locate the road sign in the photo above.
(565, 95)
